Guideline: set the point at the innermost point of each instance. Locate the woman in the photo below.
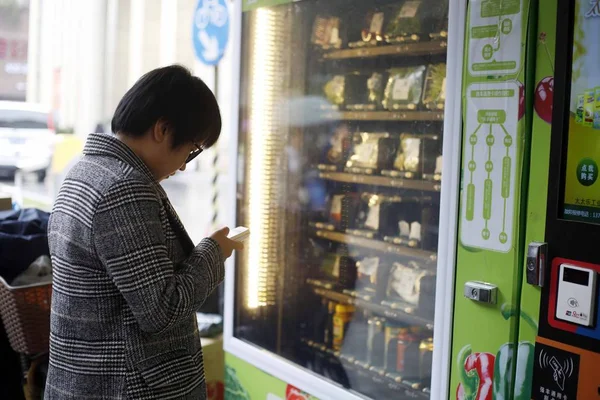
(127, 278)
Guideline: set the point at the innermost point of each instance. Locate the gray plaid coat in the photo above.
(127, 282)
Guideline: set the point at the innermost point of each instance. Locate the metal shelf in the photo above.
(408, 115)
(395, 382)
(405, 316)
(378, 245)
(436, 47)
(378, 180)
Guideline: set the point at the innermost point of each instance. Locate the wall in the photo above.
(84, 55)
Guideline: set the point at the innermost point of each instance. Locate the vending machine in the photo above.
(348, 165)
(416, 200)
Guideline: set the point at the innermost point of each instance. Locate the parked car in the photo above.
(27, 138)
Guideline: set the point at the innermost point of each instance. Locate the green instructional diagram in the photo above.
(490, 150)
(495, 37)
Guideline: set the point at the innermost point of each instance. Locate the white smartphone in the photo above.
(239, 234)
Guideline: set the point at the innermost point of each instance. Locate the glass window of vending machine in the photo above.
(341, 115)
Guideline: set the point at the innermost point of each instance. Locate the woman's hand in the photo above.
(227, 245)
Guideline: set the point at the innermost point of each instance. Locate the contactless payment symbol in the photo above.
(556, 374)
(573, 303)
(587, 172)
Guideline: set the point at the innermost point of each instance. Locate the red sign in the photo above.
(13, 49)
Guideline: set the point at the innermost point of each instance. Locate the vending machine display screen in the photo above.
(581, 183)
(576, 276)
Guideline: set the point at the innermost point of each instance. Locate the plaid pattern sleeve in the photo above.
(130, 241)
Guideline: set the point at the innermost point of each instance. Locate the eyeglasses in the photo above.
(194, 153)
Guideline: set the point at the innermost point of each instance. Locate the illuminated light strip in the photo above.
(265, 146)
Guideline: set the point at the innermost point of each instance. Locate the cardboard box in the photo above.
(214, 367)
(5, 202)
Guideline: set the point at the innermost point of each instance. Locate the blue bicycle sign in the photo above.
(210, 30)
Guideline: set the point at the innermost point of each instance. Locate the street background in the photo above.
(77, 59)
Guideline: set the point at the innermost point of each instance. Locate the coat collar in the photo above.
(108, 145)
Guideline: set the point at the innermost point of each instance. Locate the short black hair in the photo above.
(174, 95)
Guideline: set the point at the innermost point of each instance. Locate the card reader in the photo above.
(577, 297)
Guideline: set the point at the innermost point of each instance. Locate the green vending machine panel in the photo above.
(497, 117)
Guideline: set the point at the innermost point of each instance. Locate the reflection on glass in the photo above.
(340, 162)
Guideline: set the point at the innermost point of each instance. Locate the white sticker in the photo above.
(411, 148)
(373, 217)
(376, 23)
(336, 206)
(368, 266)
(415, 231)
(335, 36)
(438, 165)
(405, 282)
(409, 9)
(367, 152)
(336, 267)
(404, 228)
(401, 89)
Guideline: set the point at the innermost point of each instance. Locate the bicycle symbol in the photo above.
(211, 12)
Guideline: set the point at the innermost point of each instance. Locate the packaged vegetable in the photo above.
(404, 282)
(335, 90)
(415, 20)
(434, 91)
(371, 32)
(372, 275)
(337, 149)
(375, 85)
(326, 32)
(378, 214)
(417, 156)
(372, 152)
(404, 88)
(367, 94)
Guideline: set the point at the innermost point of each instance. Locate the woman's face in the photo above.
(166, 160)
(174, 159)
